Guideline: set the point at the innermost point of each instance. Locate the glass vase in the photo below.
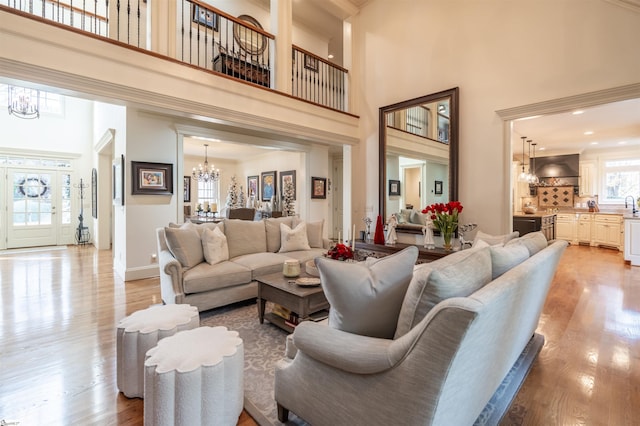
(446, 236)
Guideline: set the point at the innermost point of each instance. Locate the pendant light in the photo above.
(204, 174)
(533, 178)
(523, 176)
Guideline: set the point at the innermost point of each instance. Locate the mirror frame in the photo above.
(453, 95)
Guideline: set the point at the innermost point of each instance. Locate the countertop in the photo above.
(626, 214)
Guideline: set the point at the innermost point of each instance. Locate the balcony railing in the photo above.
(205, 37)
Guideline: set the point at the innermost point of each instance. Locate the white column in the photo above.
(280, 57)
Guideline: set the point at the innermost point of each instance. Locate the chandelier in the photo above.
(203, 173)
(23, 102)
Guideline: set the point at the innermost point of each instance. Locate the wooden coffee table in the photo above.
(283, 291)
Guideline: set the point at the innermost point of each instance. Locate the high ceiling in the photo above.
(613, 126)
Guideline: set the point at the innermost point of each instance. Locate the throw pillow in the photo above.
(493, 240)
(214, 246)
(505, 258)
(245, 236)
(185, 245)
(366, 299)
(293, 239)
(457, 275)
(417, 217)
(314, 232)
(403, 216)
(533, 241)
(272, 226)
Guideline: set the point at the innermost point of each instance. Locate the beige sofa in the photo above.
(196, 269)
(462, 324)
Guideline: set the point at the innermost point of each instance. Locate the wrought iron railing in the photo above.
(206, 38)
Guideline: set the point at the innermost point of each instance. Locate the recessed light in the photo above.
(578, 112)
(594, 143)
(330, 56)
(622, 142)
(588, 132)
(542, 148)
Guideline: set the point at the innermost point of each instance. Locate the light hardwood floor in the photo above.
(60, 309)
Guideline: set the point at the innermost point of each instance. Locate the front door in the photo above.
(31, 208)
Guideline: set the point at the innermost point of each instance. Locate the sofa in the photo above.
(463, 322)
(215, 264)
(410, 220)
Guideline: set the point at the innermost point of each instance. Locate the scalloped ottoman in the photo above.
(140, 332)
(195, 377)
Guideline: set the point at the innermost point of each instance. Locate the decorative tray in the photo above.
(308, 281)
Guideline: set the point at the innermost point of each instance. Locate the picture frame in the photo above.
(318, 187)
(310, 63)
(186, 182)
(269, 184)
(253, 186)
(288, 176)
(151, 178)
(394, 187)
(438, 187)
(118, 181)
(202, 16)
(94, 193)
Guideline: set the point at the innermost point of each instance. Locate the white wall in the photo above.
(501, 54)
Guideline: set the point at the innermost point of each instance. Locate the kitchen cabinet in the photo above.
(632, 240)
(588, 181)
(585, 222)
(536, 222)
(566, 227)
(607, 230)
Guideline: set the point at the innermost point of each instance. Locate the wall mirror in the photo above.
(418, 152)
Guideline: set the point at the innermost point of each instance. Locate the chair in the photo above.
(242, 213)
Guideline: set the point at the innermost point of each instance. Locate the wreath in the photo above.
(30, 187)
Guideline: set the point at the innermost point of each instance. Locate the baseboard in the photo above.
(141, 273)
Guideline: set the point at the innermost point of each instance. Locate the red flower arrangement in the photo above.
(445, 218)
(340, 252)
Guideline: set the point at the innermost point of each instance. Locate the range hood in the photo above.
(557, 166)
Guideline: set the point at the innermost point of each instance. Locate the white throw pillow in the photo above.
(185, 245)
(533, 241)
(314, 232)
(293, 239)
(494, 240)
(214, 246)
(366, 299)
(504, 258)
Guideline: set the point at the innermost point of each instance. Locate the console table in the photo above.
(364, 250)
(242, 69)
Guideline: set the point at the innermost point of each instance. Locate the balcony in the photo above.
(199, 36)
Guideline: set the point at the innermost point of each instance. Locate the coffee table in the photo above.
(304, 301)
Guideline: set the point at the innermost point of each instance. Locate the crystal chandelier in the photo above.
(204, 174)
(23, 102)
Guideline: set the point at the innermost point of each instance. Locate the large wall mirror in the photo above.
(419, 152)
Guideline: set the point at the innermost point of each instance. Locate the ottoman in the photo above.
(141, 331)
(195, 377)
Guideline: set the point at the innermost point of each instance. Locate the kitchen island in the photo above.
(539, 221)
(632, 239)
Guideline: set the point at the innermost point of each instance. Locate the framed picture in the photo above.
(151, 178)
(311, 63)
(94, 193)
(205, 17)
(253, 186)
(318, 187)
(394, 187)
(186, 181)
(438, 187)
(118, 181)
(269, 185)
(288, 176)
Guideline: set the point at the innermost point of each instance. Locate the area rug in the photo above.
(264, 346)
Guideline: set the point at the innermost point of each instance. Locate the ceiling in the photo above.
(614, 126)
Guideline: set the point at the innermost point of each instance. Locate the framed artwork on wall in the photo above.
(285, 177)
(310, 63)
(186, 181)
(438, 187)
(394, 187)
(318, 187)
(151, 178)
(269, 185)
(205, 17)
(253, 186)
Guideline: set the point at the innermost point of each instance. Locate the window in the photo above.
(209, 193)
(621, 178)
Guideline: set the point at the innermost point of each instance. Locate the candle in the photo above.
(214, 207)
(338, 237)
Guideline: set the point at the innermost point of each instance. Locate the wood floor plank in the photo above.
(60, 309)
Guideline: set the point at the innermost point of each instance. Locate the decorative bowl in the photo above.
(311, 269)
(529, 209)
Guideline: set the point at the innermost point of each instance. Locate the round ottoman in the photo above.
(141, 331)
(195, 377)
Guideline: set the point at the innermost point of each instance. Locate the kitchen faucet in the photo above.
(633, 204)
